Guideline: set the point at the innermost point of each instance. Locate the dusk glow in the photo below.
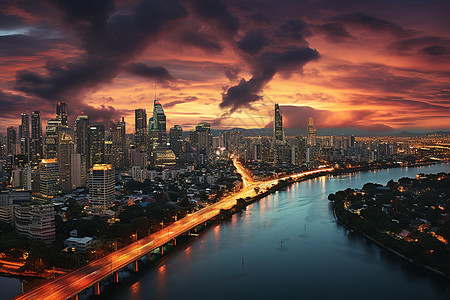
(371, 66)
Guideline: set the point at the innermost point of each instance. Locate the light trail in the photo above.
(73, 283)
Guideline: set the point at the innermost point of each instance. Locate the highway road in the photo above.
(73, 283)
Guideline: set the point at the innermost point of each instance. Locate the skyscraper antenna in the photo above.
(155, 90)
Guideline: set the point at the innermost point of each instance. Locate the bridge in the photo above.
(70, 285)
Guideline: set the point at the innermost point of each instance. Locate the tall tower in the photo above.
(65, 150)
(140, 133)
(310, 132)
(176, 140)
(11, 140)
(278, 132)
(119, 145)
(96, 144)
(37, 151)
(81, 137)
(101, 186)
(158, 128)
(52, 134)
(48, 177)
(24, 135)
(61, 112)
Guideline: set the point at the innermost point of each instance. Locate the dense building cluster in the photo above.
(85, 160)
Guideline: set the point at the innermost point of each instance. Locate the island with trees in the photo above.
(411, 217)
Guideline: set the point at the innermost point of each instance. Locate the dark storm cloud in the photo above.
(103, 114)
(24, 45)
(374, 24)
(10, 22)
(264, 67)
(429, 45)
(109, 42)
(252, 42)
(201, 40)
(216, 12)
(185, 100)
(295, 29)
(259, 19)
(157, 73)
(335, 32)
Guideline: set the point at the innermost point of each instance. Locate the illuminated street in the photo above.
(73, 283)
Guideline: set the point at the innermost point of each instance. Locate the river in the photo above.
(286, 245)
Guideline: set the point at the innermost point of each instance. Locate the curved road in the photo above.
(73, 283)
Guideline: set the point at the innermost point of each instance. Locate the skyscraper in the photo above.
(81, 137)
(52, 135)
(37, 151)
(48, 177)
(119, 145)
(158, 131)
(140, 133)
(96, 144)
(65, 150)
(24, 135)
(61, 112)
(278, 133)
(204, 137)
(278, 136)
(310, 132)
(11, 139)
(176, 140)
(101, 186)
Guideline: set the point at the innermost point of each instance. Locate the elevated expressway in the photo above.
(70, 285)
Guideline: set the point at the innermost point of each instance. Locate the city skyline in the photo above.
(356, 65)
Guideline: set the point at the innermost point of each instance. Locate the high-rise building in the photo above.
(176, 141)
(157, 126)
(77, 170)
(48, 178)
(140, 133)
(37, 222)
(52, 136)
(119, 145)
(204, 137)
(278, 137)
(108, 159)
(96, 144)
(278, 132)
(101, 187)
(37, 151)
(310, 132)
(81, 137)
(61, 112)
(11, 140)
(65, 150)
(24, 135)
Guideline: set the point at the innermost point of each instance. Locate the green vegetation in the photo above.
(410, 216)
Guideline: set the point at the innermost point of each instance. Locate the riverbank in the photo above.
(383, 246)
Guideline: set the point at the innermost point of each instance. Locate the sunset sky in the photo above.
(373, 66)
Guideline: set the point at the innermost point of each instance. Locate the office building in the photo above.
(49, 178)
(11, 140)
(96, 144)
(157, 126)
(37, 222)
(176, 141)
(37, 150)
(65, 151)
(101, 187)
(61, 113)
(52, 136)
(141, 133)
